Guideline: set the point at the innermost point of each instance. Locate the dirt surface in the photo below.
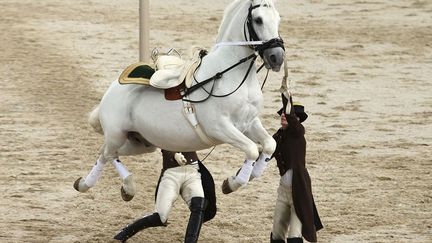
(362, 69)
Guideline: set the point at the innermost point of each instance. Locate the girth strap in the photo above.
(189, 113)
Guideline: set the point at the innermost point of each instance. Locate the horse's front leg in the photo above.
(231, 135)
(258, 134)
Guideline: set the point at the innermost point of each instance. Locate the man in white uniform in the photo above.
(182, 174)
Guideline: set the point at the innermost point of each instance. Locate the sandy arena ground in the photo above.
(362, 68)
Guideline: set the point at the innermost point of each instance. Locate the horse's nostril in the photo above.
(273, 58)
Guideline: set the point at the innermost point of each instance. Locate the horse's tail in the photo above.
(94, 120)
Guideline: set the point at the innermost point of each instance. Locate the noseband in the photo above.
(253, 36)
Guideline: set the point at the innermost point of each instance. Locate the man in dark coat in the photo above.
(295, 212)
(182, 174)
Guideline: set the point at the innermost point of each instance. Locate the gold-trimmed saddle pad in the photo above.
(137, 73)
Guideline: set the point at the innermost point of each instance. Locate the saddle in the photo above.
(169, 72)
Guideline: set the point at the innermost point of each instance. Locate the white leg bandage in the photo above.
(94, 174)
(244, 174)
(121, 169)
(260, 165)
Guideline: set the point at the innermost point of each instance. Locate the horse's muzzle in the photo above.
(273, 58)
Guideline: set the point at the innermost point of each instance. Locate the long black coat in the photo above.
(290, 153)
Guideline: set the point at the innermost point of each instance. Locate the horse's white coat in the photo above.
(232, 119)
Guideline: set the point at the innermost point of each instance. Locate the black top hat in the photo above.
(298, 110)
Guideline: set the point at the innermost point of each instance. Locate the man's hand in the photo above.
(179, 157)
(284, 122)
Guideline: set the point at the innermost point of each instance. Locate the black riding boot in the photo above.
(197, 207)
(275, 241)
(143, 223)
(295, 240)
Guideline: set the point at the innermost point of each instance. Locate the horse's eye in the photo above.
(258, 21)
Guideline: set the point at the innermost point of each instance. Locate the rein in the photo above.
(216, 77)
(241, 83)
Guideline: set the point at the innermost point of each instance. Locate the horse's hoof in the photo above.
(80, 186)
(230, 185)
(128, 189)
(225, 187)
(125, 196)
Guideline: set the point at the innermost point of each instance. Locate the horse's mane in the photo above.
(231, 12)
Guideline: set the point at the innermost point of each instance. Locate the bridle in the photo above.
(253, 36)
(253, 41)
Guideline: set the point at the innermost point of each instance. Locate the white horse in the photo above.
(137, 119)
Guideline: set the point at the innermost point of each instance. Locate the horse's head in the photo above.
(263, 25)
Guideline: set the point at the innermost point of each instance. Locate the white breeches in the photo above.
(285, 219)
(181, 180)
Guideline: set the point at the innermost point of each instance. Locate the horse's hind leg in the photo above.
(109, 152)
(128, 188)
(84, 184)
(135, 144)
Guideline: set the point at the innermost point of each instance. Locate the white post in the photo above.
(144, 30)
